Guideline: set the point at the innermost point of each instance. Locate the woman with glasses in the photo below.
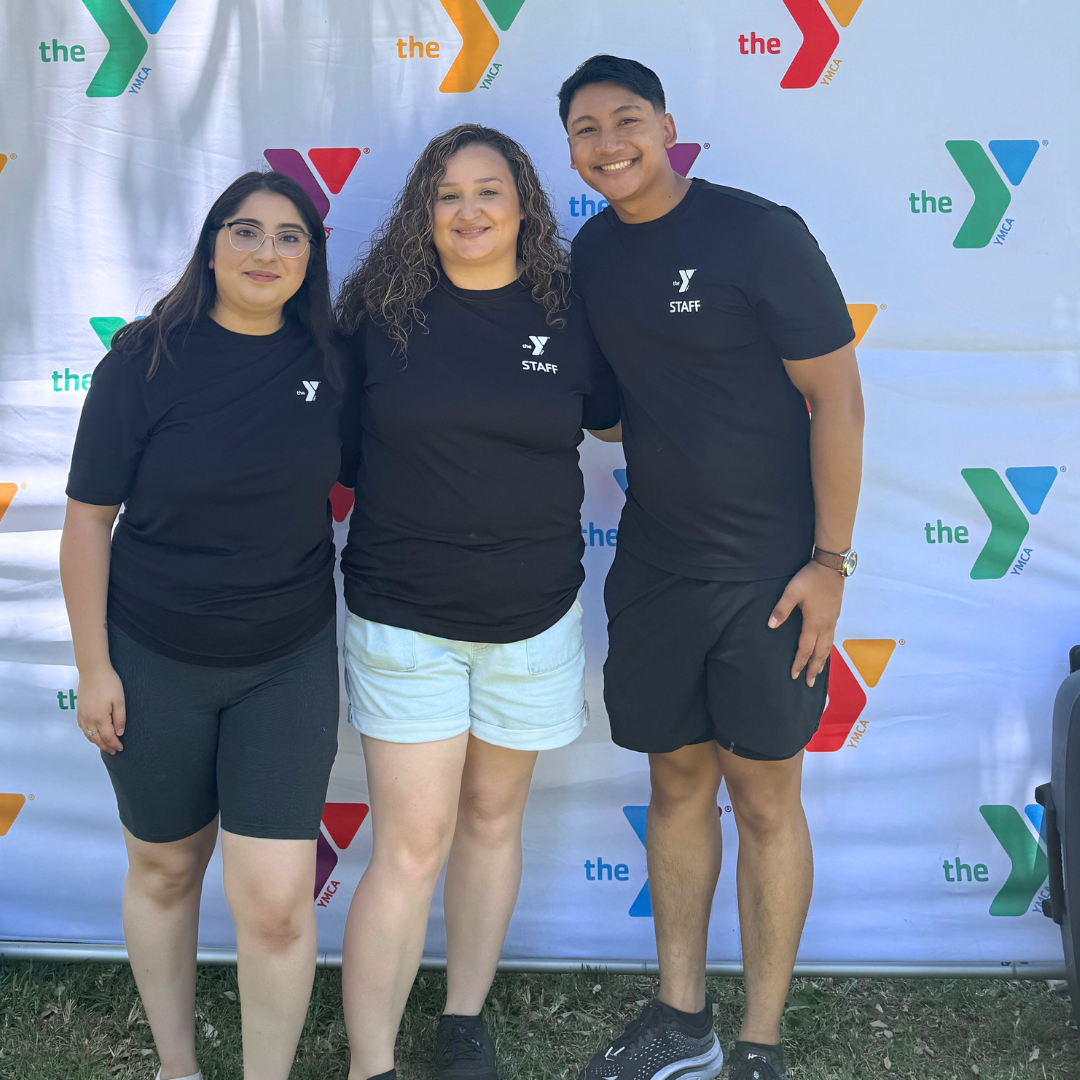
(204, 624)
(463, 646)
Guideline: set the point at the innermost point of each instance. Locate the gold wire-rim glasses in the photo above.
(260, 235)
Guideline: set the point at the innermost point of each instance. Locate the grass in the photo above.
(85, 1022)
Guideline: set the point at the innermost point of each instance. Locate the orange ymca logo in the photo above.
(862, 315)
(10, 805)
(7, 493)
(479, 42)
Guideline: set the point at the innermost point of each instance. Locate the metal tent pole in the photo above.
(933, 969)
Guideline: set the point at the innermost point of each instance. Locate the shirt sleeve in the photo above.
(601, 408)
(793, 291)
(114, 429)
(351, 431)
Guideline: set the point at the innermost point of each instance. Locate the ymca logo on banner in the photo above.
(10, 802)
(1024, 842)
(992, 198)
(847, 698)
(820, 39)
(333, 163)
(341, 821)
(7, 493)
(637, 816)
(120, 69)
(105, 326)
(479, 42)
(1003, 552)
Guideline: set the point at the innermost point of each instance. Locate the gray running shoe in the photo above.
(654, 1047)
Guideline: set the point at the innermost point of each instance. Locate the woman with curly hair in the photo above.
(475, 372)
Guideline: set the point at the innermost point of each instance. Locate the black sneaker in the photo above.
(749, 1063)
(655, 1047)
(464, 1050)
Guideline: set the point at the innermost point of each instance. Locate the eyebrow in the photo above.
(482, 180)
(621, 108)
(282, 225)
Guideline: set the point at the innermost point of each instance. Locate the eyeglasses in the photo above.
(289, 244)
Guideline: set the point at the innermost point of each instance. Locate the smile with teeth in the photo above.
(617, 166)
(476, 230)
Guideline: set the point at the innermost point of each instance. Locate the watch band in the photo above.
(831, 559)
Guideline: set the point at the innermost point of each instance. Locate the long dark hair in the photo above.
(401, 266)
(194, 294)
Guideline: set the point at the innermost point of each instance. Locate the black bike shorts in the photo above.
(691, 660)
(255, 744)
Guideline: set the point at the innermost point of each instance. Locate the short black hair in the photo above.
(631, 75)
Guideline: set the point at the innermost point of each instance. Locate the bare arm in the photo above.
(611, 434)
(85, 551)
(831, 385)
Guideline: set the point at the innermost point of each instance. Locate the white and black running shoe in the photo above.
(464, 1050)
(657, 1046)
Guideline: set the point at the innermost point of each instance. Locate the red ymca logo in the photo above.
(342, 820)
(847, 698)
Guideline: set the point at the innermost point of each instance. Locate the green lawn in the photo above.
(84, 1021)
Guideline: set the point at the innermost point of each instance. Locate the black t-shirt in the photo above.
(468, 491)
(223, 460)
(696, 311)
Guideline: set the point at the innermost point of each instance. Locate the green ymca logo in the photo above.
(1003, 553)
(120, 71)
(1026, 851)
(1022, 838)
(1008, 525)
(985, 221)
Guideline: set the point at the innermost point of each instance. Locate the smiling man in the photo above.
(721, 319)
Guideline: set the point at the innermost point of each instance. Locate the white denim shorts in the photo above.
(408, 687)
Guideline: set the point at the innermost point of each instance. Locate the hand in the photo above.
(818, 591)
(100, 708)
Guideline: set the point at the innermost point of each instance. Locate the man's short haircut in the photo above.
(629, 74)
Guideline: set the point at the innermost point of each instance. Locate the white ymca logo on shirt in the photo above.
(679, 307)
(537, 345)
(684, 279)
(309, 389)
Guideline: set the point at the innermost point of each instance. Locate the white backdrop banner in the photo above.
(927, 147)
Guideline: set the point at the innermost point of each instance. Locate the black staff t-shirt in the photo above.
(223, 460)
(468, 491)
(696, 312)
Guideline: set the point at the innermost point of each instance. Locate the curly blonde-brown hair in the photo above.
(401, 266)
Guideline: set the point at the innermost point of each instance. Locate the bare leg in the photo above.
(414, 790)
(683, 846)
(775, 880)
(268, 884)
(484, 870)
(161, 927)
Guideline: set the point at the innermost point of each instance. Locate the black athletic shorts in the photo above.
(255, 744)
(691, 660)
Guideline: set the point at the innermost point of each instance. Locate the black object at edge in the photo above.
(1054, 908)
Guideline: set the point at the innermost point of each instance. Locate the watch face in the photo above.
(851, 560)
